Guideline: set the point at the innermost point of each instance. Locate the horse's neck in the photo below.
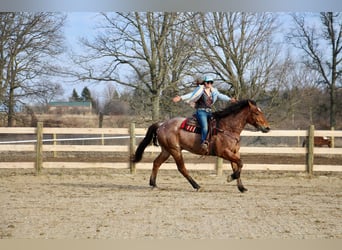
(234, 123)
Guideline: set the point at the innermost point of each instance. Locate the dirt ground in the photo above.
(113, 204)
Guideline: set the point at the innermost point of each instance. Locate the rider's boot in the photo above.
(205, 147)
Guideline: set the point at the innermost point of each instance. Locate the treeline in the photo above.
(290, 63)
(299, 108)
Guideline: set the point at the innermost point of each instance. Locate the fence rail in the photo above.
(39, 146)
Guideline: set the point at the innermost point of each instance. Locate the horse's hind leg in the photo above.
(161, 158)
(181, 168)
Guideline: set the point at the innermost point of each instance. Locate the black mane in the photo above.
(233, 108)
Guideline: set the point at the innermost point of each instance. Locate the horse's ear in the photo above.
(253, 105)
(250, 104)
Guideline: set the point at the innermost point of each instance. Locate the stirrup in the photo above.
(205, 147)
(205, 142)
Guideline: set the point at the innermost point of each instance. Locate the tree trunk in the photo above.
(11, 103)
(155, 107)
(332, 107)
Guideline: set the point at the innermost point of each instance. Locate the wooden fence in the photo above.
(39, 147)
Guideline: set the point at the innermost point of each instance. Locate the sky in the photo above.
(81, 13)
(80, 24)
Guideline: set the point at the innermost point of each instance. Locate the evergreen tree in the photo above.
(86, 95)
(75, 97)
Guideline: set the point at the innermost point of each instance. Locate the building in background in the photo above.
(70, 108)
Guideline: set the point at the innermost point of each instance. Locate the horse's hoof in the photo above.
(230, 178)
(199, 189)
(242, 189)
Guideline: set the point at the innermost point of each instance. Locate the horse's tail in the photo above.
(151, 134)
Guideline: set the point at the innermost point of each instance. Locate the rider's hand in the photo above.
(177, 98)
(233, 100)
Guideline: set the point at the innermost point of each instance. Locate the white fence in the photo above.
(39, 146)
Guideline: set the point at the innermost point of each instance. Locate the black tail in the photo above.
(151, 134)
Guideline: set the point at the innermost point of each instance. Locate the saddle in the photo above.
(191, 124)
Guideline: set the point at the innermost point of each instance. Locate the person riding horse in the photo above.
(224, 143)
(204, 96)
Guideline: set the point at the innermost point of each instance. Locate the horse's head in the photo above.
(257, 118)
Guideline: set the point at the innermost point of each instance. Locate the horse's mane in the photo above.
(233, 108)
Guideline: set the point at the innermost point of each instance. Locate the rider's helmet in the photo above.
(208, 79)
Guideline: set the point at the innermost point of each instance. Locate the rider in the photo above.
(204, 96)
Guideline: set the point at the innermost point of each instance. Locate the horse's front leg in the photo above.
(236, 176)
(236, 164)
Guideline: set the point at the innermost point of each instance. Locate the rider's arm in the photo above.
(194, 95)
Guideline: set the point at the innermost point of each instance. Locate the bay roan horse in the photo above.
(224, 143)
(319, 141)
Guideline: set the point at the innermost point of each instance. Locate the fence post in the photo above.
(218, 166)
(332, 138)
(298, 140)
(310, 150)
(132, 147)
(54, 143)
(39, 147)
(102, 139)
(100, 119)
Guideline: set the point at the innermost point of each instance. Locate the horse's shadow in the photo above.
(106, 186)
(131, 187)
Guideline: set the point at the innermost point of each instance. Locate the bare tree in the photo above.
(45, 91)
(28, 42)
(112, 104)
(238, 48)
(152, 47)
(321, 43)
(292, 103)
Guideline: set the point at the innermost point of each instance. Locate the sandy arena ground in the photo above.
(113, 204)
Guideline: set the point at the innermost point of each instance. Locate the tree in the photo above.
(47, 91)
(86, 95)
(321, 43)
(74, 96)
(239, 48)
(28, 41)
(113, 104)
(293, 104)
(153, 47)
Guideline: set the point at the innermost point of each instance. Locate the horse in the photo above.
(319, 141)
(225, 143)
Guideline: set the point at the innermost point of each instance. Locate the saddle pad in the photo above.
(190, 124)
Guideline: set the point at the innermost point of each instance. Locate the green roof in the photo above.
(70, 104)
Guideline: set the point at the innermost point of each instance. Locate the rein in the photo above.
(215, 130)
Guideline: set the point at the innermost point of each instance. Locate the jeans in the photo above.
(202, 117)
